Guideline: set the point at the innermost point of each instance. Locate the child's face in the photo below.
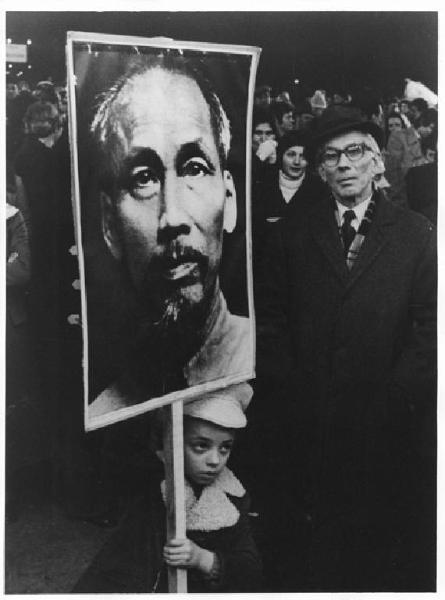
(207, 448)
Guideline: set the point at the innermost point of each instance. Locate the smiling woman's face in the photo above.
(294, 163)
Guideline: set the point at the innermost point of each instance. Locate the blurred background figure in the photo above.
(421, 180)
(404, 111)
(63, 103)
(318, 103)
(338, 97)
(303, 116)
(427, 124)
(263, 96)
(13, 120)
(403, 151)
(18, 271)
(416, 108)
(263, 144)
(284, 119)
(372, 110)
(283, 96)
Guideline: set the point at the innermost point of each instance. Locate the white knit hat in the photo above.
(223, 407)
(318, 100)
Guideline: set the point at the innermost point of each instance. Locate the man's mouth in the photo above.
(181, 270)
(346, 182)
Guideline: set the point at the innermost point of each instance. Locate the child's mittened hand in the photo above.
(183, 553)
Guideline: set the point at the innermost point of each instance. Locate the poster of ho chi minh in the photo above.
(159, 133)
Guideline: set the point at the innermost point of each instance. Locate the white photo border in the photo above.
(120, 414)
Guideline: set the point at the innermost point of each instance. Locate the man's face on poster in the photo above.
(172, 198)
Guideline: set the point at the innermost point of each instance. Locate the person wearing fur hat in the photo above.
(346, 327)
(219, 552)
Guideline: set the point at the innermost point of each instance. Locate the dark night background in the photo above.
(329, 50)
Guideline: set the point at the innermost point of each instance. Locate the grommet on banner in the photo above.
(73, 319)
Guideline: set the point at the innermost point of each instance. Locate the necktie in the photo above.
(347, 230)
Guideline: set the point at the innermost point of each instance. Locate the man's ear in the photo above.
(109, 230)
(375, 165)
(322, 172)
(230, 209)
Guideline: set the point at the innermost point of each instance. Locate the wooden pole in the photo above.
(174, 479)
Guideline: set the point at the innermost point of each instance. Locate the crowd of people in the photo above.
(44, 373)
(410, 141)
(344, 399)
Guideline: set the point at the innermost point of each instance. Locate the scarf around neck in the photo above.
(361, 233)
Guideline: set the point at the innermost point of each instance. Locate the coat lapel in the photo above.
(325, 232)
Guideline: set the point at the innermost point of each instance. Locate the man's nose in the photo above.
(174, 219)
(343, 161)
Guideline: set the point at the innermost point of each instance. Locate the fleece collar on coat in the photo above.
(213, 509)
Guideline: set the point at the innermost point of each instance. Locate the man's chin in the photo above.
(192, 294)
(186, 307)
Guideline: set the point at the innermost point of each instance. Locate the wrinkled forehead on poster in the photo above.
(100, 60)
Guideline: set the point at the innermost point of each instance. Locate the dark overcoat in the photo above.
(131, 561)
(352, 358)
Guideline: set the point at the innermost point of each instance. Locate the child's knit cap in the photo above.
(225, 407)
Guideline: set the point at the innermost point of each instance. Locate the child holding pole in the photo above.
(218, 552)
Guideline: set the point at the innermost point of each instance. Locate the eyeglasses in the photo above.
(354, 152)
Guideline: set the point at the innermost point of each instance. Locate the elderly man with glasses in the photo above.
(346, 342)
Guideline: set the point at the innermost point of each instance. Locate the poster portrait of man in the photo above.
(162, 214)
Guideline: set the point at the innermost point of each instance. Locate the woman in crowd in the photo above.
(288, 184)
(403, 151)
